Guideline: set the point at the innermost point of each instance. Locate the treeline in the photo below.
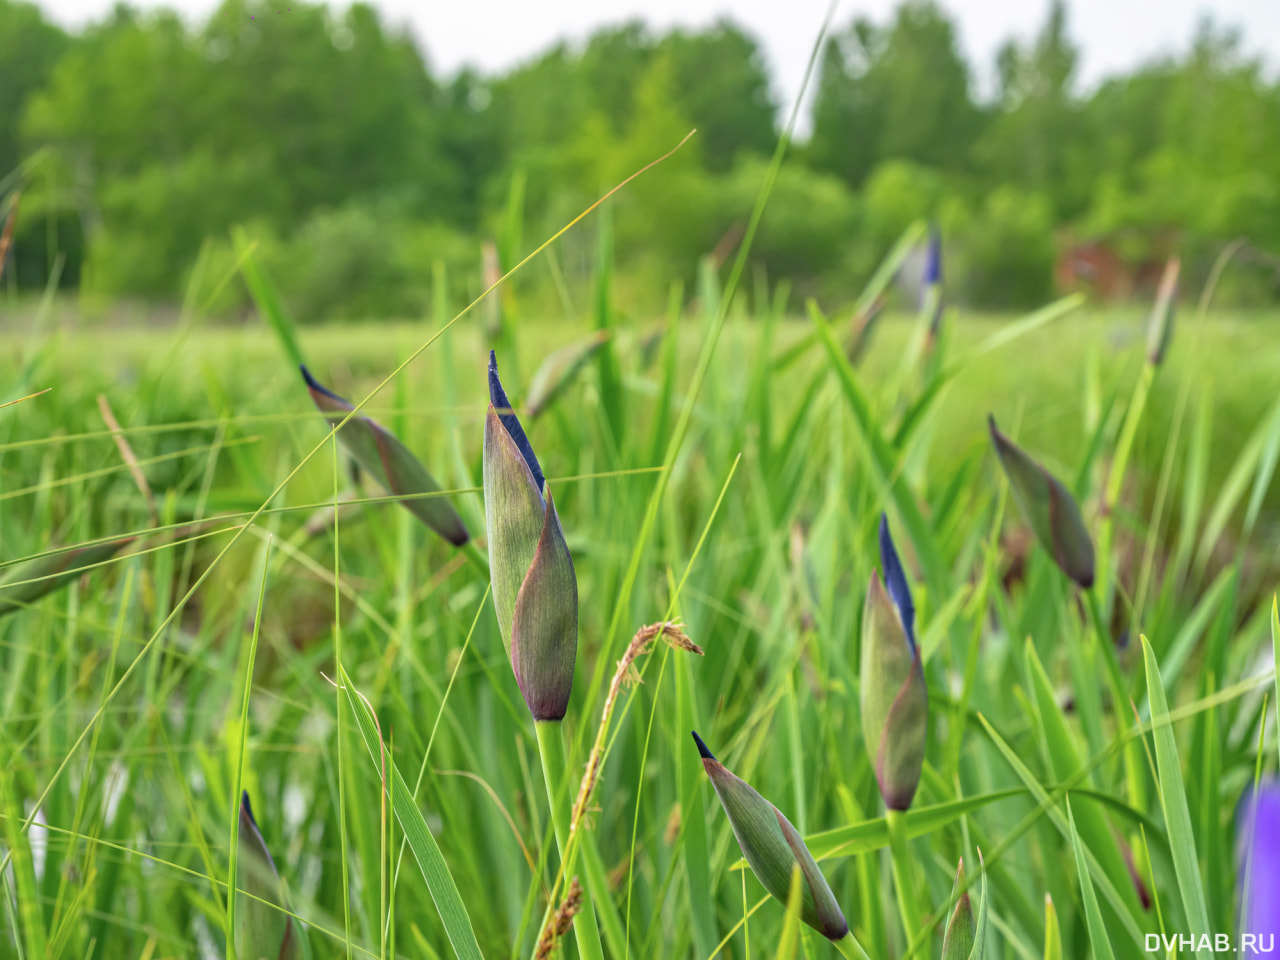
(142, 141)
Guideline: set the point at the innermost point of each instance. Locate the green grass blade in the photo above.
(883, 463)
(1093, 916)
(238, 782)
(267, 298)
(1173, 801)
(1052, 934)
(1041, 795)
(1064, 760)
(440, 883)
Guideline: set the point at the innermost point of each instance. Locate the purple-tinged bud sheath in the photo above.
(773, 848)
(263, 928)
(535, 588)
(1049, 507)
(380, 454)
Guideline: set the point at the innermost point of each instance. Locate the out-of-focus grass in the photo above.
(1041, 379)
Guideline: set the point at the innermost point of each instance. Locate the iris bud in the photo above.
(1049, 507)
(773, 848)
(535, 589)
(895, 699)
(37, 578)
(264, 931)
(380, 454)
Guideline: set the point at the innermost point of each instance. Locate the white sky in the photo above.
(1114, 35)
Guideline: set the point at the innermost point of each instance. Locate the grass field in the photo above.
(730, 478)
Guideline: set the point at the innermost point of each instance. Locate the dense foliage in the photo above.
(354, 165)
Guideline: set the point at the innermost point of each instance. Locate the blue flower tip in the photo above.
(317, 386)
(895, 581)
(497, 395)
(247, 808)
(702, 747)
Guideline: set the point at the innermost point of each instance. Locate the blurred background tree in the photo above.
(354, 165)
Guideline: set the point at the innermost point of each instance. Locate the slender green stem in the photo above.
(904, 873)
(555, 771)
(850, 947)
(234, 845)
(1118, 688)
(1115, 479)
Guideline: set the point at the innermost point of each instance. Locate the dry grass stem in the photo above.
(558, 924)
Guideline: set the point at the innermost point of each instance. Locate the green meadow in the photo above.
(281, 626)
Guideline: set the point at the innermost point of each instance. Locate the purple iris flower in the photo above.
(1258, 862)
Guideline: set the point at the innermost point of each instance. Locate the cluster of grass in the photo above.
(725, 468)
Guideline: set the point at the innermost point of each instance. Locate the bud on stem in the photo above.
(1049, 507)
(263, 928)
(535, 588)
(773, 848)
(380, 454)
(895, 699)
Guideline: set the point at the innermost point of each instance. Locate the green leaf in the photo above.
(1093, 916)
(1042, 797)
(789, 941)
(980, 935)
(874, 834)
(1160, 326)
(883, 464)
(1052, 935)
(1064, 761)
(1173, 801)
(267, 298)
(440, 884)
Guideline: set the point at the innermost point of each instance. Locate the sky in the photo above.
(1114, 35)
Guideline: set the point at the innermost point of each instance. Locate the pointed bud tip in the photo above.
(317, 386)
(246, 807)
(511, 423)
(895, 581)
(702, 747)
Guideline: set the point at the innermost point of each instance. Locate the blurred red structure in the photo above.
(1100, 268)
